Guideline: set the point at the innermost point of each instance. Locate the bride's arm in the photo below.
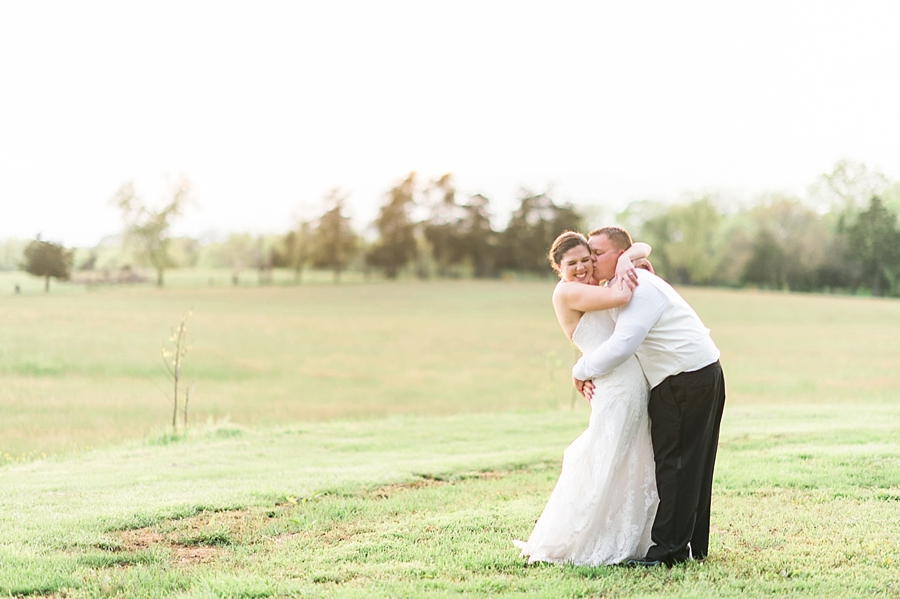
(590, 298)
(625, 273)
(638, 250)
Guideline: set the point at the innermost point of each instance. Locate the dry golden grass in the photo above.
(82, 369)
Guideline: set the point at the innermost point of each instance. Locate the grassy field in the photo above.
(83, 368)
(389, 440)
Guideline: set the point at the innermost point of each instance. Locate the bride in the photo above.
(602, 508)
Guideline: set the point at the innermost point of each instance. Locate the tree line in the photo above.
(844, 236)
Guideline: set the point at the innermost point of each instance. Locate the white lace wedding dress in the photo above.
(602, 508)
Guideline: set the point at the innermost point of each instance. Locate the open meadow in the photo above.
(389, 440)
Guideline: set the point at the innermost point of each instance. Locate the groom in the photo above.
(686, 398)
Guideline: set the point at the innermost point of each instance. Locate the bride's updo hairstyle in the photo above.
(562, 244)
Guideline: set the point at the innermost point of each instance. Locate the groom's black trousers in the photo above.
(685, 412)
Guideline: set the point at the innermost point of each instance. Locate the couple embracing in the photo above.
(635, 486)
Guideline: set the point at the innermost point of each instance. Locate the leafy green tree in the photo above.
(848, 188)
(335, 242)
(875, 240)
(47, 259)
(396, 246)
(767, 261)
(295, 251)
(184, 251)
(478, 238)
(838, 268)
(803, 238)
(147, 229)
(443, 229)
(263, 259)
(686, 242)
(237, 251)
(534, 225)
(736, 238)
(779, 243)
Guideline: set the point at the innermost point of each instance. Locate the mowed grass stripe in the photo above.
(427, 506)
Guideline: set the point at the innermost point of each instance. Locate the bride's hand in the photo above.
(625, 273)
(584, 388)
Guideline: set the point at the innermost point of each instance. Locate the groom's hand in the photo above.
(584, 388)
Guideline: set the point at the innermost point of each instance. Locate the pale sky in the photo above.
(265, 106)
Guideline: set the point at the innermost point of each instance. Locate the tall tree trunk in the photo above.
(159, 277)
(47, 285)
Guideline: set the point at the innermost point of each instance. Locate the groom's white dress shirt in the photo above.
(657, 326)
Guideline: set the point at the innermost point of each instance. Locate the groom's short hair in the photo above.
(619, 237)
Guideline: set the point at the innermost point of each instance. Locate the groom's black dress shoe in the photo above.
(647, 563)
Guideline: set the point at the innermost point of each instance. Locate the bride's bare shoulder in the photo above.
(563, 296)
(564, 289)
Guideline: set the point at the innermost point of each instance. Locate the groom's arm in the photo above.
(634, 322)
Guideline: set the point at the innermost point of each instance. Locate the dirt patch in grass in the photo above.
(434, 480)
(386, 491)
(197, 539)
(145, 538)
(205, 537)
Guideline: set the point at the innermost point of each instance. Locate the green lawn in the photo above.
(389, 440)
(806, 504)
